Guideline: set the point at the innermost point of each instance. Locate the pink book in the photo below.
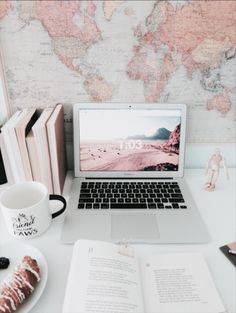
(56, 140)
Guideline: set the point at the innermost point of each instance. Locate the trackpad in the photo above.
(134, 227)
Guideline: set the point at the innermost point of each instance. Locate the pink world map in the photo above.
(198, 36)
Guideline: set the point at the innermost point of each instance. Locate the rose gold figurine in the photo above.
(213, 169)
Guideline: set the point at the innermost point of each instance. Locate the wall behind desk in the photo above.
(127, 51)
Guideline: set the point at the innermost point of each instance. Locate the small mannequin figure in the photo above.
(213, 168)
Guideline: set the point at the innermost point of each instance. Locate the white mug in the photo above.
(25, 208)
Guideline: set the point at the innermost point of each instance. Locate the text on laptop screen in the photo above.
(129, 140)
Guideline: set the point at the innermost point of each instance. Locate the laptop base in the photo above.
(166, 226)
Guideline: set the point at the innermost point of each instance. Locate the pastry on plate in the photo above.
(19, 285)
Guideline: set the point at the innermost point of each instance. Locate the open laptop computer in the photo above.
(129, 166)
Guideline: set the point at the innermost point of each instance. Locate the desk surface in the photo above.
(217, 209)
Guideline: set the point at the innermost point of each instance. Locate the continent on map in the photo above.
(5, 8)
(98, 89)
(197, 35)
(200, 31)
(73, 30)
(110, 6)
(220, 103)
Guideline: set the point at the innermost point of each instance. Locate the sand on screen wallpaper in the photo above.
(117, 141)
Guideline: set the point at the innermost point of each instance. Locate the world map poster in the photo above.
(125, 51)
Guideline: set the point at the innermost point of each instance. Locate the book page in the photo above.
(102, 279)
(178, 283)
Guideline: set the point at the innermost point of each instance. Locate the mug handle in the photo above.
(60, 198)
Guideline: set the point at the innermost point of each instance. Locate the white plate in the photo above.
(15, 252)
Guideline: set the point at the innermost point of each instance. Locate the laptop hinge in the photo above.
(128, 178)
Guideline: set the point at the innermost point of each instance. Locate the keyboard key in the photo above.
(164, 200)
(83, 190)
(160, 206)
(96, 206)
(177, 190)
(86, 200)
(176, 195)
(168, 207)
(81, 206)
(104, 206)
(88, 206)
(175, 205)
(183, 207)
(176, 200)
(85, 195)
(152, 206)
(129, 206)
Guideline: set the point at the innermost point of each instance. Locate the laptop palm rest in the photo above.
(133, 227)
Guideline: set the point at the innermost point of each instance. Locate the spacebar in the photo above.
(128, 206)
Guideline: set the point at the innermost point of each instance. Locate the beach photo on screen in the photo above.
(137, 140)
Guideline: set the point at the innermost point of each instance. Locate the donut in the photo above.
(19, 285)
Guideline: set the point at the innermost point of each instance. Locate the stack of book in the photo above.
(33, 147)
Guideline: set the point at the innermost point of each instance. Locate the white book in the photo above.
(41, 139)
(6, 160)
(12, 147)
(106, 278)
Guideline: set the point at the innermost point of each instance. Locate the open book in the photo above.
(109, 278)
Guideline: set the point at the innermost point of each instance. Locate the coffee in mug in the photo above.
(26, 210)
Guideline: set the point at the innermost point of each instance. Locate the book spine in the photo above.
(16, 152)
(9, 156)
(33, 157)
(3, 177)
(56, 142)
(44, 159)
(24, 155)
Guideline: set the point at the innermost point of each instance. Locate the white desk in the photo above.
(217, 209)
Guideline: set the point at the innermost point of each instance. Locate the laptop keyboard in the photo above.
(131, 195)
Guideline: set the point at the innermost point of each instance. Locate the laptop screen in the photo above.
(129, 140)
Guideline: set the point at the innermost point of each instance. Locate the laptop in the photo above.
(129, 168)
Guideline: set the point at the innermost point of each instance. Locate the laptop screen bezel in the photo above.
(129, 106)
